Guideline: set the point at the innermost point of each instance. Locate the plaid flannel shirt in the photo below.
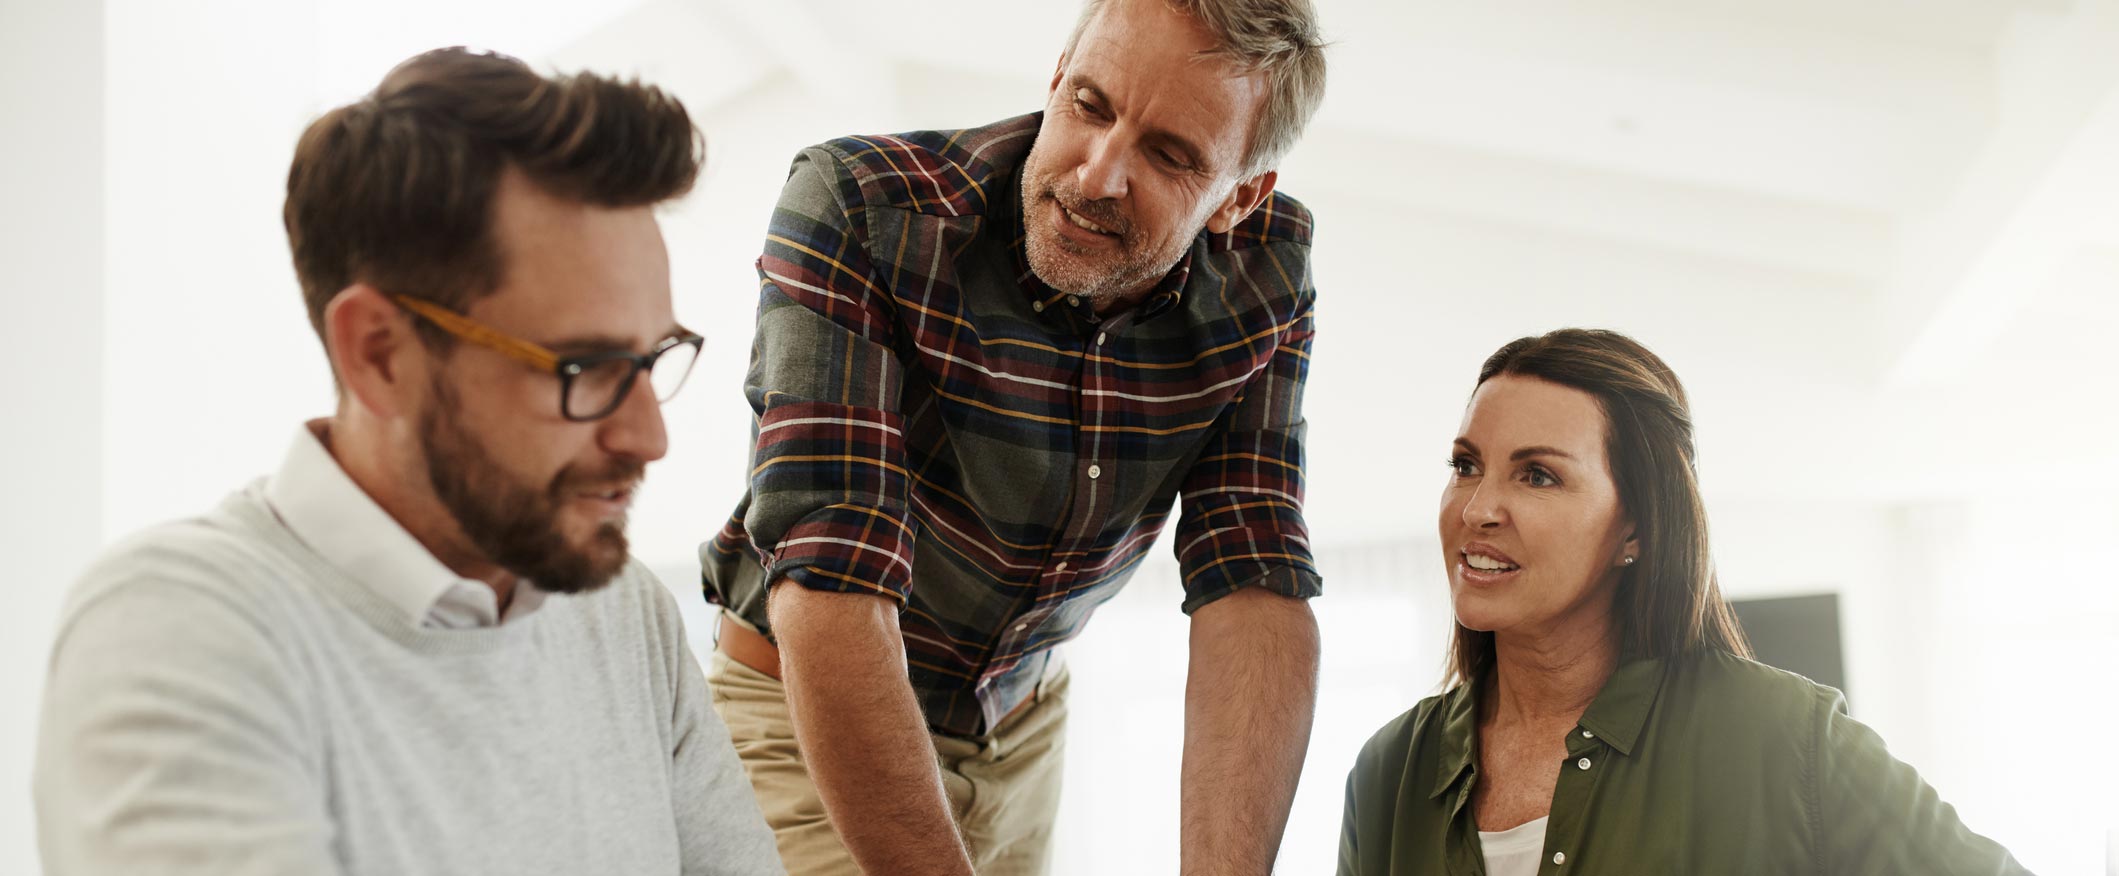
(936, 425)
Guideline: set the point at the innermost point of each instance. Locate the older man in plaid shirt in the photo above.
(987, 361)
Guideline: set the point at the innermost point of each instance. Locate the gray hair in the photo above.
(1278, 38)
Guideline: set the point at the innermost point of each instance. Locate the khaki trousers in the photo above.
(1004, 790)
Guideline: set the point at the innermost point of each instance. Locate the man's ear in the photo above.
(378, 358)
(1241, 201)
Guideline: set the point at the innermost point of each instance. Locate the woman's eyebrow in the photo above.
(1540, 450)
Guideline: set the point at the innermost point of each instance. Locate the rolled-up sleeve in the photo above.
(828, 480)
(1241, 523)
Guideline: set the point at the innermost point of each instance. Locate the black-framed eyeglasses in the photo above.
(591, 386)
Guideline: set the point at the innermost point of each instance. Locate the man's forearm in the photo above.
(842, 659)
(1249, 698)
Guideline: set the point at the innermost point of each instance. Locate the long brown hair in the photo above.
(1668, 601)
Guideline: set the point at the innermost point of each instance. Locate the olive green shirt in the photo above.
(1703, 763)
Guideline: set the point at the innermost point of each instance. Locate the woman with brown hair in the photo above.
(1604, 716)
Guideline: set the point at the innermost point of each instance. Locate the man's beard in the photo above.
(1099, 276)
(514, 524)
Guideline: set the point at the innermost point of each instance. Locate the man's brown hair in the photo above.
(396, 189)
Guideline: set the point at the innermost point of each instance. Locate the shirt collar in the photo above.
(1615, 716)
(324, 508)
(1460, 729)
(1621, 708)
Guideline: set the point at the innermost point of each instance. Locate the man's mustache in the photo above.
(1102, 212)
(620, 475)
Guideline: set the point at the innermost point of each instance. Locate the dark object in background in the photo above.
(1796, 633)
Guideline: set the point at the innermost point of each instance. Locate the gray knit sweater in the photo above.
(222, 702)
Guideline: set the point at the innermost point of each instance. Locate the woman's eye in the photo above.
(1463, 467)
(1539, 477)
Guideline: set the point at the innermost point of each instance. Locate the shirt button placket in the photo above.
(1560, 858)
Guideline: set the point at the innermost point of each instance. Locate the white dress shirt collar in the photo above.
(338, 520)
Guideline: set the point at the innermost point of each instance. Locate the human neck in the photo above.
(1551, 677)
(1106, 305)
(394, 485)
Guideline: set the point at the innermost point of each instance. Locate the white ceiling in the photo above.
(1811, 129)
(1894, 195)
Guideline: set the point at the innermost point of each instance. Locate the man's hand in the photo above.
(842, 659)
(1249, 698)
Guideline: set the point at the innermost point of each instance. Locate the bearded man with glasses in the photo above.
(421, 646)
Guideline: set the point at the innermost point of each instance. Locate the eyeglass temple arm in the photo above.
(464, 327)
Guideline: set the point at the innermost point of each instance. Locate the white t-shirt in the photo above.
(1515, 851)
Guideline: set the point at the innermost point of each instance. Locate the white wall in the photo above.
(2023, 589)
(211, 363)
(51, 358)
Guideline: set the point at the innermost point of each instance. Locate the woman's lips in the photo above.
(1498, 567)
(1484, 578)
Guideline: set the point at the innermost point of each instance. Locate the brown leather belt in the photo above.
(751, 648)
(748, 647)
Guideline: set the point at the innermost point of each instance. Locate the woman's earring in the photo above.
(1626, 562)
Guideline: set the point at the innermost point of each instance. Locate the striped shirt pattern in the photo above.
(936, 425)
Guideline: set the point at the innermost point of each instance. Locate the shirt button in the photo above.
(1096, 471)
(1021, 627)
(1099, 339)
(1588, 735)
(1074, 301)
(1559, 857)
(1583, 763)
(1062, 567)
(1038, 306)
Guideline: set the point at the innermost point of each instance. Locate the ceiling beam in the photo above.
(678, 46)
(2045, 184)
(820, 50)
(1719, 223)
(1667, 91)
